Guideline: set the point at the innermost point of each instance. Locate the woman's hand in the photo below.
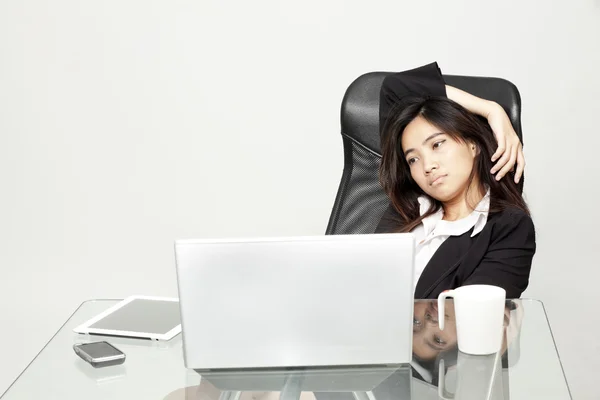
(510, 149)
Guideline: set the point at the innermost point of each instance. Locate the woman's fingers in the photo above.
(499, 151)
(504, 157)
(509, 164)
(520, 164)
(509, 154)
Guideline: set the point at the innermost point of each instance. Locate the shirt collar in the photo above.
(476, 220)
(482, 210)
(430, 222)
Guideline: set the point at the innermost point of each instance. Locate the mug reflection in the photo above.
(431, 345)
(428, 339)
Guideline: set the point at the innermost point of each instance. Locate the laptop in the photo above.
(310, 301)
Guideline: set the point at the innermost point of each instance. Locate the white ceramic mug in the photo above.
(479, 317)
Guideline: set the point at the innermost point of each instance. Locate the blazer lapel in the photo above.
(445, 260)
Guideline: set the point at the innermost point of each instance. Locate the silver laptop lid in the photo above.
(296, 301)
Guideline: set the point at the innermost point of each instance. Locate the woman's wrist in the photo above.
(490, 108)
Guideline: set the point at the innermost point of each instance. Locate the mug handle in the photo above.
(441, 307)
(442, 392)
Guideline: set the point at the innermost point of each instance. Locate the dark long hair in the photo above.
(460, 124)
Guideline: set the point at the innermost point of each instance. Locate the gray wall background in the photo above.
(127, 124)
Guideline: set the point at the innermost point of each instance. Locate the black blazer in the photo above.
(501, 254)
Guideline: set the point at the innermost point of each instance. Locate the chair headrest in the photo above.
(360, 106)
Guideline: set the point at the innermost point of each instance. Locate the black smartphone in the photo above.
(99, 354)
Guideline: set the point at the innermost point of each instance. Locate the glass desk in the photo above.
(528, 367)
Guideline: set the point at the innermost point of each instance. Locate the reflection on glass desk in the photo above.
(528, 367)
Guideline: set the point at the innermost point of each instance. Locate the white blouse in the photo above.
(433, 231)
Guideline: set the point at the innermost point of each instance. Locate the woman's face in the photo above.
(428, 340)
(440, 165)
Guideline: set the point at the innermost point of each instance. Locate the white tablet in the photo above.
(145, 317)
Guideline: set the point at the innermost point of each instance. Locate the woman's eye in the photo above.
(438, 144)
(416, 321)
(411, 161)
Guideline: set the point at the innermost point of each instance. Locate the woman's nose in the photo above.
(430, 165)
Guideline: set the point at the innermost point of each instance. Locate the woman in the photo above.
(470, 226)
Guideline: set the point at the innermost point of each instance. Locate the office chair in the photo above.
(360, 201)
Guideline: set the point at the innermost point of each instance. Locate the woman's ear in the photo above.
(474, 149)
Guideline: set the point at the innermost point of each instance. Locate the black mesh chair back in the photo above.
(360, 201)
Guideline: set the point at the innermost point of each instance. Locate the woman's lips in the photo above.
(437, 180)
